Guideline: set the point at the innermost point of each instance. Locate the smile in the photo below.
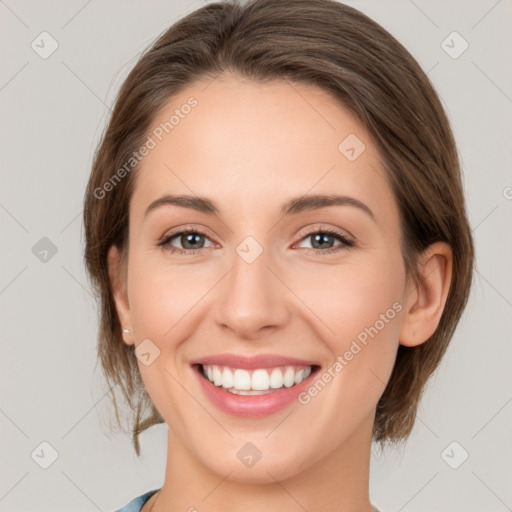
(253, 387)
(255, 382)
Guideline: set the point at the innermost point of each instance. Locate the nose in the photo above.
(253, 299)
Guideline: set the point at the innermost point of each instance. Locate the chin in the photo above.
(262, 469)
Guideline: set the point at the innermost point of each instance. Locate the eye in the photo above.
(322, 240)
(191, 240)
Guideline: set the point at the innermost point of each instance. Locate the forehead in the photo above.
(244, 141)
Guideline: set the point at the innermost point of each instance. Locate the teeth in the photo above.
(260, 381)
(242, 380)
(227, 378)
(289, 377)
(276, 379)
(255, 382)
(217, 376)
(299, 377)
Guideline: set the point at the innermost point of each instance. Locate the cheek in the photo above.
(348, 298)
(359, 307)
(161, 300)
(162, 296)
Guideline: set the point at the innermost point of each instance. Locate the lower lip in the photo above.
(251, 405)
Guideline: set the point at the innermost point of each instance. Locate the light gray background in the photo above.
(53, 111)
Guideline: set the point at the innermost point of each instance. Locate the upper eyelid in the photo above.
(186, 229)
(302, 233)
(181, 231)
(316, 228)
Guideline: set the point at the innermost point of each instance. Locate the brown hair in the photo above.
(342, 51)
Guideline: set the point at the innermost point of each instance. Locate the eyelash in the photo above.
(346, 243)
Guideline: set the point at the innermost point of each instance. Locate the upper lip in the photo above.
(252, 362)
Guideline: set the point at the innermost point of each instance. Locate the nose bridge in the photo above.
(252, 296)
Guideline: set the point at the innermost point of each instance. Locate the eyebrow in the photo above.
(291, 207)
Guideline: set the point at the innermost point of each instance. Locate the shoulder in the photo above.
(136, 504)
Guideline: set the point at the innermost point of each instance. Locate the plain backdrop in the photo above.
(53, 111)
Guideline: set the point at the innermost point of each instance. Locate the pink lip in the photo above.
(252, 406)
(252, 362)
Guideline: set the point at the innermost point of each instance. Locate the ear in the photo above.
(425, 300)
(117, 273)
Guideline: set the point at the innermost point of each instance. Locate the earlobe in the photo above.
(426, 301)
(117, 276)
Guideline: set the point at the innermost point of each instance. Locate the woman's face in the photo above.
(256, 278)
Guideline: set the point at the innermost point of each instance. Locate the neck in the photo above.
(338, 482)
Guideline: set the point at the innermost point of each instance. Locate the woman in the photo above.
(275, 226)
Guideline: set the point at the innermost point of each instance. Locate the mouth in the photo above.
(257, 381)
(253, 386)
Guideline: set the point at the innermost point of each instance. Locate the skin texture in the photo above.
(250, 147)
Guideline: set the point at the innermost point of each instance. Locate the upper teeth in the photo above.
(237, 379)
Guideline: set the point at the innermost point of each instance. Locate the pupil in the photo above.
(190, 238)
(320, 237)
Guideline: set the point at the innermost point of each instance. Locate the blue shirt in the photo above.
(136, 504)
